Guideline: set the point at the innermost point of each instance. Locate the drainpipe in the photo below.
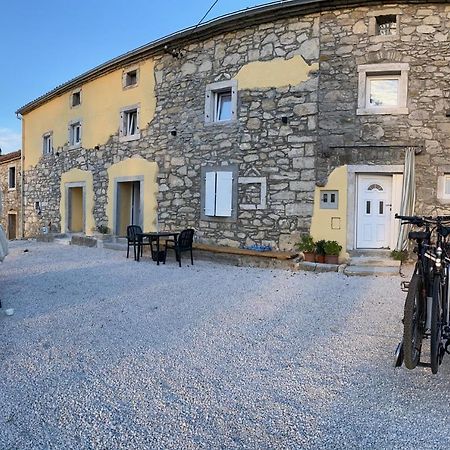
(22, 178)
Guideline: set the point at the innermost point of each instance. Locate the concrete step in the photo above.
(116, 246)
(62, 240)
(373, 261)
(372, 270)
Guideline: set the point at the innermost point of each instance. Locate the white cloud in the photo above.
(10, 140)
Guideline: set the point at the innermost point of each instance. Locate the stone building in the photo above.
(10, 193)
(254, 128)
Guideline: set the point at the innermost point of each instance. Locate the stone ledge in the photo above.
(83, 241)
(319, 267)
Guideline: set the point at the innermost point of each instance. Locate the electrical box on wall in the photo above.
(329, 199)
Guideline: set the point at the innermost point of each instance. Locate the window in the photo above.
(75, 99)
(383, 89)
(443, 191)
(130, 78)
(75, 134)
(47, 143)
(219, 193)
(386, 25)
(129, 123)
(221, 102)
(329, 199)
(11, 177)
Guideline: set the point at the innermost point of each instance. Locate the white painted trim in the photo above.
(212, 90)
(367, 70)
(352, 198)
(124, 110)
(263, 192)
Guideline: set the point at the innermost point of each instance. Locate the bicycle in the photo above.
(426, 311)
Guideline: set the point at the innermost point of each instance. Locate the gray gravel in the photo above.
(106, 353)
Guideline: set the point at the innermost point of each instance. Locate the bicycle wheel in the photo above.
(413, 323)
(436, 331)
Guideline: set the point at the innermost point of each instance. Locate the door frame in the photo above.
(12, 213)
(116, 223)
(67, 186)
(353, 171)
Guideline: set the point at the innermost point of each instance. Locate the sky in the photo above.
(47, 42)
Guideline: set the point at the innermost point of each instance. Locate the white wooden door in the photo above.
(374, 215)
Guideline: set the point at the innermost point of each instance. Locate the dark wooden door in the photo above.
(12, 226)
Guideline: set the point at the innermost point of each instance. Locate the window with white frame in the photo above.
(219, 190)
(383, 89)
(130, 77)
(443, 191)
(11, 177)
(221, 102)
(75, 99)
(129, 123)
(75, 134)
(47, 143)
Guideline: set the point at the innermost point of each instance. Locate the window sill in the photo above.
(131, 86)
(10, 189)
(221, 123)
(133, 137)
(74, 146)
(218, 218)
(380, 111)
(389, 38)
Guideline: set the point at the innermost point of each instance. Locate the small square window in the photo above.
(129, 124)
(329, 199)
(12, 178)
(130, 78)
(383, 89)
(75, 134)
(221, 102)
(386, 25)
(76, 99)
(47, 144)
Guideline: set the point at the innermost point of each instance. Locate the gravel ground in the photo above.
(106, 353)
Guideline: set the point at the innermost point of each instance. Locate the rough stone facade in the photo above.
(258, 142)
(346, 138)
(10, 198)
(322, 131)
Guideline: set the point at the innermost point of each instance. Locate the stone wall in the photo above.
(10, 198)
(380, 139)
(258, 142)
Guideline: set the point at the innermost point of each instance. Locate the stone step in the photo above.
(116, 246)
(372, 270)
(373, 261)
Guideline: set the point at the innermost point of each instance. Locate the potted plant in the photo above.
(320, 251)
(332, 251)
(308, 247)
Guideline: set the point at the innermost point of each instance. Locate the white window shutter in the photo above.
(224, 194)
(210, 193)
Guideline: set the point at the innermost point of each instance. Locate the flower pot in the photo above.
(320, 259)
(331, 259)
(309, 256)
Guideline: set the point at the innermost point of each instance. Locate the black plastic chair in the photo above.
(183, 243)
(134, 240)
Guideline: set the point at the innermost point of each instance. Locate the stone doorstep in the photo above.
(371, 270)
(320, 267)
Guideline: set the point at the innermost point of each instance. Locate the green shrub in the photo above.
(320, 247)
(399, 255)
(332, 248)
(306, 244)
(103, 229)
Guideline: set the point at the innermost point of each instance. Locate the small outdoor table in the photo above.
(156, 236)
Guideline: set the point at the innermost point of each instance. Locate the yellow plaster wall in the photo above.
(78, 176)
(135, 167)
(99, 112)
(277, 72)
(321, 227)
